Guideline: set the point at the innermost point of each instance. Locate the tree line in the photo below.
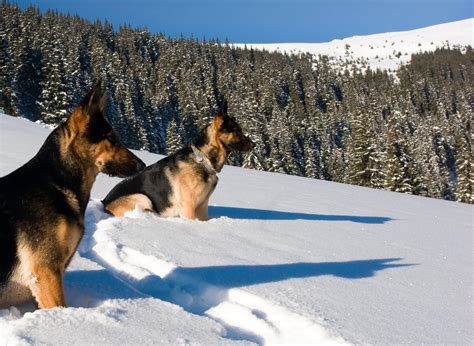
(408, 132)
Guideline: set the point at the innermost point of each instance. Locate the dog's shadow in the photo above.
(262, 214)
(208, 286)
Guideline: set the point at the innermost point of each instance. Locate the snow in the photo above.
(283, 260)
(381, 50)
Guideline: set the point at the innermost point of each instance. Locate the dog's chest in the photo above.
(68, 236)
(209, 185)
(212, 181)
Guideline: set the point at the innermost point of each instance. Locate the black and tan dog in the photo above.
(42, 203)
(181, 184)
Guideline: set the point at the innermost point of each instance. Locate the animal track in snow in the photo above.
(244, 315)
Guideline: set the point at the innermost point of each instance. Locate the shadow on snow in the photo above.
(198, 289)
(232, 276)
(102, 285)
(261, 214)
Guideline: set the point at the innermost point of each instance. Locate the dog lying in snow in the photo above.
(181, 184)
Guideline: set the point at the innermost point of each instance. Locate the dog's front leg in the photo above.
(202, 211)
(187, 206)
(47, 287)
(188, 212)
(187, 199)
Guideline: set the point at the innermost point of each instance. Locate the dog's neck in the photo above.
(202, 159)
(215, 154)
(213, 150)
(77, 175)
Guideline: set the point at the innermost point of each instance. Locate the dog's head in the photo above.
(96, 141)
(229, 132)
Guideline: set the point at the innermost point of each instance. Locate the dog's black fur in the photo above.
(42, 203)
(181, 184)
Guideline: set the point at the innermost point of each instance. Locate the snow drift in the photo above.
(284, 259)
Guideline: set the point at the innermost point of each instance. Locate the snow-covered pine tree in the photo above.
(365, 159)
(53, 100)
(6, 71)
(396, 169)
(174, 140)
(464, 170)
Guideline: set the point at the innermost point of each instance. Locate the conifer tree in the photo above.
(464, 169)
(173, 138)
(6, 72)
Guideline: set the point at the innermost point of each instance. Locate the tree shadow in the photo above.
(262, 214)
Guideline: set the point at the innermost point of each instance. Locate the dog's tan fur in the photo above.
(191, 196)
(124, 204)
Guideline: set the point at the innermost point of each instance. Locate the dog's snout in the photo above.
(140, 165)
(125, 165)
(137, 164)
(249, 144)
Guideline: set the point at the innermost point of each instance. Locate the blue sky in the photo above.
(265, 21)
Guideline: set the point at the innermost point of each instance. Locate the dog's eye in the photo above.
(111, 137)
(233, 128)
(114, 140)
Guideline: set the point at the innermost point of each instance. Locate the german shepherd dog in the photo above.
(181, 184)
(42, 203)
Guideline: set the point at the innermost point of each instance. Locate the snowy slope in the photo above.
(383, 50)
(284, 260)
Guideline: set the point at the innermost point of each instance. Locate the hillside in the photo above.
(284, 259)
(408, 132)
(386, 51)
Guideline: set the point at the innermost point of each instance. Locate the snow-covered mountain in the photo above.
(283, 260)
(385, 51)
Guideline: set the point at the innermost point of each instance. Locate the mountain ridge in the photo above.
(382, 50)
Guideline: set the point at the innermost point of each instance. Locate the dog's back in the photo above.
(30, 204)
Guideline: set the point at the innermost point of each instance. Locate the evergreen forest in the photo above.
(407, 131)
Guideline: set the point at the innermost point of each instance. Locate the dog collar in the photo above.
(203, 160)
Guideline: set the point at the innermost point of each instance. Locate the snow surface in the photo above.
(283, 260)
(381, 50)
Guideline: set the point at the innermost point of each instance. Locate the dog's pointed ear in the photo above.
(95, 101)
(219, 117)
(91, 108)
(223, 110)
